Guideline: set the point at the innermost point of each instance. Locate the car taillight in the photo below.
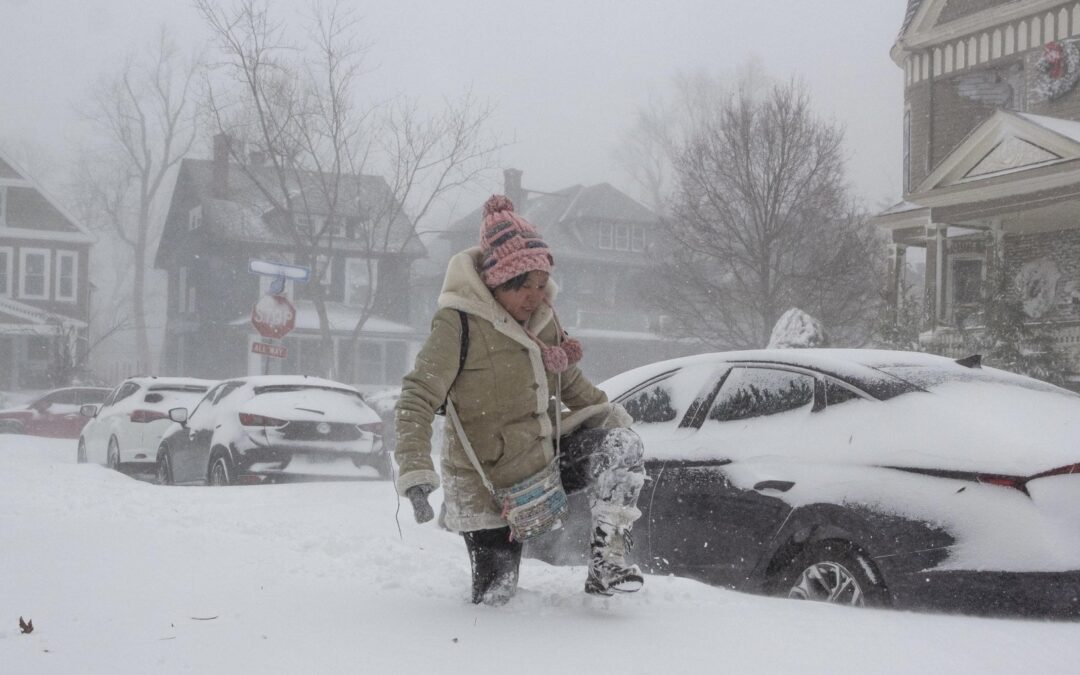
(371, 427)
(1014, 482)
(1060, 471)
(250, 420)
(144, 416)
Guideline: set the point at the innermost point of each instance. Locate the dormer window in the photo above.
(195, 218)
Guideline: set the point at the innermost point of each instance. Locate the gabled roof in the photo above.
(931, 22)
(1005, 143)
(556, 215)
(32, 213)
(246, 214)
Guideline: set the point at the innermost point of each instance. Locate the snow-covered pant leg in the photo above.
(495, 560)
(608, 464)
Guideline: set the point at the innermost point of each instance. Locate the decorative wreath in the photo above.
(1058, 68)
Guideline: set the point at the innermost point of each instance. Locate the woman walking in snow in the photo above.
(499, 357)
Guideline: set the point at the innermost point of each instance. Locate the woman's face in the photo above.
(522, 302)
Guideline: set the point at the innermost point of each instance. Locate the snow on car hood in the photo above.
(322, 405)
(962, 426)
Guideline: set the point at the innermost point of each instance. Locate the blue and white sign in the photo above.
(276, 269)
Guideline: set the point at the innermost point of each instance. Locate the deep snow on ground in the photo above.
(121, 576)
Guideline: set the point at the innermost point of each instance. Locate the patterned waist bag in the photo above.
(530, 507)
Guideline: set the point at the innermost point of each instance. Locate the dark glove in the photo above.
(418, 495)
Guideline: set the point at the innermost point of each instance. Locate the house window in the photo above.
(195, 218)
(606, 238)
(637, 238)
(3, 206)
(965, 282)
(360, 278)
(622, 237)
(907, 150)
(34, 266)
(67, 270)
(6, 268)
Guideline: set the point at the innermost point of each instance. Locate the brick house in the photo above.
(991, 158)
(44, 279)
(601, 239)
(218, 220)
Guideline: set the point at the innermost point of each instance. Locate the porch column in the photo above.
(935, 269)
(897, 263)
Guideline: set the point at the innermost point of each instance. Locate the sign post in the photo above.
(273, 316)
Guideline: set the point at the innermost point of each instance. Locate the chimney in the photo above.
(512, 188)
(220, 187)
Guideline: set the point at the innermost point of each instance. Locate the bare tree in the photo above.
(336, 171)
(148, 121)
(761, 221)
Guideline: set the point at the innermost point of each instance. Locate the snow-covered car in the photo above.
(858, 477)
(126, 429)
(273, 427)
(54, 414)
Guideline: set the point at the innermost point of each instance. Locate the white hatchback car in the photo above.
(126, 429)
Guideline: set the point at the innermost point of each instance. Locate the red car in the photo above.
(55, 414)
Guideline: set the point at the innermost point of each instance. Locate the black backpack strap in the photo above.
(462, 355)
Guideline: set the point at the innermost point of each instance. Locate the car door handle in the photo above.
(781, 485)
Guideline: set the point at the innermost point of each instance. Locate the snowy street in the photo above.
(124, 576)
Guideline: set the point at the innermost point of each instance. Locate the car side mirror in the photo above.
(88, 410)
(41, 406)
(178, 415)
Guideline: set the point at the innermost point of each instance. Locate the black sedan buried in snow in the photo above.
(272, 428)
(857, 477)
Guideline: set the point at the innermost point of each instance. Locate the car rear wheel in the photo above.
(164, 469)
(80, 456)
(837, 572)
(220, 471)
(114, 455)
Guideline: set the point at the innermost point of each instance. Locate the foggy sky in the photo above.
(566, 76)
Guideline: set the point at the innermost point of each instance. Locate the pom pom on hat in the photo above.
(510, 245)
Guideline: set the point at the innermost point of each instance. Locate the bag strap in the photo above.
(452, 413)
(463, 353)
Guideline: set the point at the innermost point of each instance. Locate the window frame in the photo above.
(24, 253)
(605, 233)
(622, 232)
(195, 218)
(371, 272)
(74, 256)
(8, 273)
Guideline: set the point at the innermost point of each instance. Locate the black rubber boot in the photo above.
(495, 560)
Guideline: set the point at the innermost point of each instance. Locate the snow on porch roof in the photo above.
(341, 317)
(30, 316)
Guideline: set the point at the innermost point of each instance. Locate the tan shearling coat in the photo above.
(502, 396)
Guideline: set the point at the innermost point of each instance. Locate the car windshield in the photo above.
(928, 377)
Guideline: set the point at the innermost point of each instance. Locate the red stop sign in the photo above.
(273, 316)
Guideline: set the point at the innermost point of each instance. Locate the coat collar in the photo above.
(464, 290)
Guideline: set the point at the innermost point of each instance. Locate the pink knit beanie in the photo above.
(509, 244)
